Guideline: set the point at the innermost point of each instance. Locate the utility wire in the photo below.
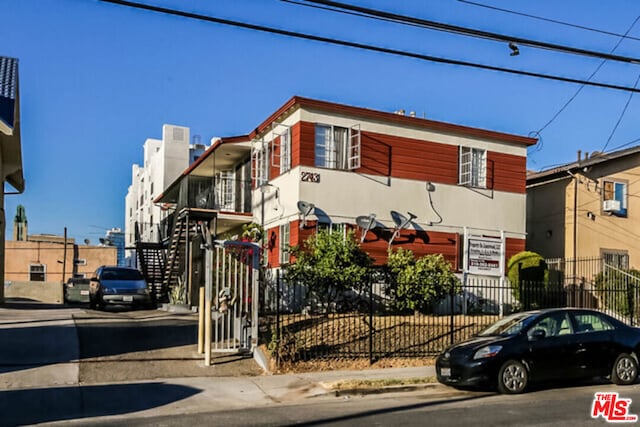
(555, 116)
(366, 46)
(554, 21)
(624, 110)
(439, 26)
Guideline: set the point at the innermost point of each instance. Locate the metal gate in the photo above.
(232, 286)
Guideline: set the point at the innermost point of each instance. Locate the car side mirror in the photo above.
(537, 334)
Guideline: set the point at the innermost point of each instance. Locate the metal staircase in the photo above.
(184, 230)
(152, 262)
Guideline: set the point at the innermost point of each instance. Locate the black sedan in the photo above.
(542, 346)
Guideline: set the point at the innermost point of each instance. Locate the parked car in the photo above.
(118, 286)
(76, 290)
(543, 346)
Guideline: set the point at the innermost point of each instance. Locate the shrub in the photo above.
(417, 283)
(618, 290)
(529, 276)
(329, 265)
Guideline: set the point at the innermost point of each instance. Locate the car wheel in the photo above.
(512, 377)
(100, 303)
(625, 370)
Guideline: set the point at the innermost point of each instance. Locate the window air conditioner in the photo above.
(611, 205)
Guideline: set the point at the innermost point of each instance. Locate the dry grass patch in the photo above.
(377, 384)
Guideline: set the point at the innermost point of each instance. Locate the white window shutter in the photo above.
(355, 152)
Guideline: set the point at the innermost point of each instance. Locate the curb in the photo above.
(390, 389)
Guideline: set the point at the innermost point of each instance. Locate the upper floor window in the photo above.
(260, 158)
(614, 195)
(285, 233)
(285, 151)
(337, 147)
(473, 167)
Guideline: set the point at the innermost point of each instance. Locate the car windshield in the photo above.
(510, 325)
(121, 274)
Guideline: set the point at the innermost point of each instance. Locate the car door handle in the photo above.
(581, 350)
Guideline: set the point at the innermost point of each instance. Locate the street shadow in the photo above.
(35, 406)
(356, 419)
(32, 346)
(30, 304)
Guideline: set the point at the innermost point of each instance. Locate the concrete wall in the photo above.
(49, 292)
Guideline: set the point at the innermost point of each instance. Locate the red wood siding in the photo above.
(419, 242)
(506, 172)
(273, 247)
(377, 242)
(513, 246)
(303, 144)
(407, 158)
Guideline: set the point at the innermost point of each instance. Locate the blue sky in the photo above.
(97, 79)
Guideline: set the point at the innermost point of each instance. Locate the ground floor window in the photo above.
(616, 258)
(37, 273)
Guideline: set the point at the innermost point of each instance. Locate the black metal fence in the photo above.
(298, 325)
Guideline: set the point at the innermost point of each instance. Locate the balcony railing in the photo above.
(223, 192)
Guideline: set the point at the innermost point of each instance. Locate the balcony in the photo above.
(223, 196)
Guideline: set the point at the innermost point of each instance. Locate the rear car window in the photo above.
(121, 274)
(588, 322)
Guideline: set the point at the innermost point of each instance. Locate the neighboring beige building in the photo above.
(600, 219)
(42, 258)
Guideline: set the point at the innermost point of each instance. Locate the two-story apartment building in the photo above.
(587, 208)
(416, 183)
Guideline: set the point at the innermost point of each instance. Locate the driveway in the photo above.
(48, 345)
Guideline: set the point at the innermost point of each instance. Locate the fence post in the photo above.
(451, 315)
(278, 335)
(370, 319)
(630, 300)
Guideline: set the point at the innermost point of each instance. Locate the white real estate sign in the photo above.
(484, 255)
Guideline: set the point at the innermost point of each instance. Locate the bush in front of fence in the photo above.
(619, 291)
(417, 283)
(329, 267)
(529, 277)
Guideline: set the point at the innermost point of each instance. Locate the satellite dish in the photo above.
(401, 222)
(398, 218)
(366, 223)
(305, 209)
(87, 241)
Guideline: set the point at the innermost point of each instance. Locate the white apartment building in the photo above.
(164, 161)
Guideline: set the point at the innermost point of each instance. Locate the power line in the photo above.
(570, 100)
(439, 26)
(366, 46)
(624, 110)
(554, 21)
